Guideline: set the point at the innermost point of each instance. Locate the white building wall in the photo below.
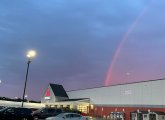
(19, 104)
(142, 93)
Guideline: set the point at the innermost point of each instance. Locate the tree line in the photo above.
(18, 100)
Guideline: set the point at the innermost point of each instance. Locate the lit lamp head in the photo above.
(26, 96)
(31, 54)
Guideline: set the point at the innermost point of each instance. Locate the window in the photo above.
(145, 116)
(10, 110)
(61, 106)
(68, 116)
(24, 111)
(51, 110)
(68, 106)
(58, 111)
(44, 110)
(76, 115)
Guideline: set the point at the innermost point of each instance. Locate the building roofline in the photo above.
(53, 84)
(118, 84)
(76, 99)
(57, 93)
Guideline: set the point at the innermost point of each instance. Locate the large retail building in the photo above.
(125, 99)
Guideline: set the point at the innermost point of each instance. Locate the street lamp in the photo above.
(26, 97)
(30, 55)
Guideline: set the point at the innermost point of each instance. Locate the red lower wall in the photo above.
(100, 111)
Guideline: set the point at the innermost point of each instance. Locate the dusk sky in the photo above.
(77, 41)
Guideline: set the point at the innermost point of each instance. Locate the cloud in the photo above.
(73, 38)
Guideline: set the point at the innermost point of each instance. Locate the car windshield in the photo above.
(3, 109)
(39, 110)
(60, 115)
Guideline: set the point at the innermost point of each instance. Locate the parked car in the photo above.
(12, 113)
(1, 107)
(68, 110)
(46, 112)
(68, 116)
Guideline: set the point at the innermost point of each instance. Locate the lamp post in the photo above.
(30, 54)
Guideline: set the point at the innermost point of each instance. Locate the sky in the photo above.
(78, 41)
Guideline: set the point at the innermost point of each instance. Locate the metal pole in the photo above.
(23, 97)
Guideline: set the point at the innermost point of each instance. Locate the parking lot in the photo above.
(20, 113)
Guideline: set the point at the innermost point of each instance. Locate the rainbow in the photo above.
(120, 46)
